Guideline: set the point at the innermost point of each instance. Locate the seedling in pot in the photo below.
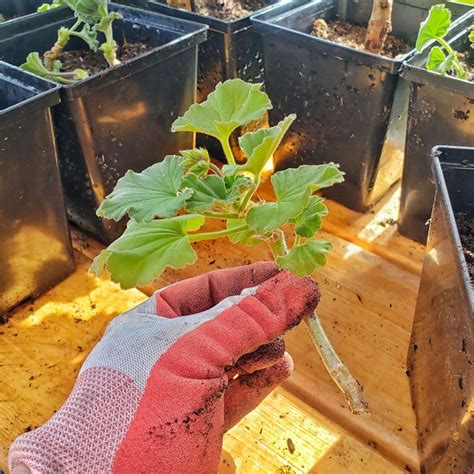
(170, 201)
(434, 29)
(92, 20)
(378, 28)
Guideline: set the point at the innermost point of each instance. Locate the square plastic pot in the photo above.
(119, 119)
(233, 50)
(344, 98)
(442, 346)
(35, 249)
(441, 110)
(457, 9)
(13, 9)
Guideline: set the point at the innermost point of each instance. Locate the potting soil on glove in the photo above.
(156, 394)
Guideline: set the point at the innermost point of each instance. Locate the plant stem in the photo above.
(380, 24)
(349, 386)
(228, 151)
(297, 240)
(216, 169)
(63, 37)
(220, 215)
(457, 66)
(247, 198)
(279, 246)
(216, 234)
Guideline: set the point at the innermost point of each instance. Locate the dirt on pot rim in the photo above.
(467, 62)
(229, 9)
(94, 62)
(466, 234)
(353, 36)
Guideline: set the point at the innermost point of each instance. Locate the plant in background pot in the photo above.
(344, 94)
(441, 109)
(93, 18)
(233, 48)
(116, 118)
(169, 202)
(10, 10)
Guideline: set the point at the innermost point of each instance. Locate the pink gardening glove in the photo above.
(157, 392)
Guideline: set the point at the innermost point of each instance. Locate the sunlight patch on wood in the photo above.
(388, 214)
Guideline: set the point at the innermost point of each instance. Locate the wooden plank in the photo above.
(45, 342)
(375, 230)
(283, 435)
(367, 309)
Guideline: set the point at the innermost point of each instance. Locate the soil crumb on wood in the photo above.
(229, 9)
(343, 32)
(95, 62)
(466, 233)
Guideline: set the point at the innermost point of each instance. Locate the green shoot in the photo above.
(49, 6)
(435, 28)
(92, 17)
(170, 201)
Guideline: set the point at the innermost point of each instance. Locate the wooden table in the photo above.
(369, 289)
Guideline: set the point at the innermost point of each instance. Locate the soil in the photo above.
(466, 233)
(343, 32)
(467, 62)
(229, 9)
(95, 62)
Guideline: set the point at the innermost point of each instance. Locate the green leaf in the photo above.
(435, 26)
(89, 35)
(232, 104)
(293, 188)
(146, 249)
(87, 11)
(471, 38)
(35, 65)
(155, 192)
(106, 20)
(49, 6)
(304, 258)
(311, 219)
(259, 146)
(438, 61)
(213, 191)
(246, 237)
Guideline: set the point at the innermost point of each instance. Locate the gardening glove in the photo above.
(159, 390)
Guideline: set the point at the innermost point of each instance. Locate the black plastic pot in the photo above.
(233, 50)
(441, 110)
(442, 346)
(12, 9)
(121, 118)
(35, 249)
(343, 97)
(457, 9)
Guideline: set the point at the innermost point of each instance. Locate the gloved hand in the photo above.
(159, 390)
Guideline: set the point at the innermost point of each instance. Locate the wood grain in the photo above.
(367, 309)
(45, 342)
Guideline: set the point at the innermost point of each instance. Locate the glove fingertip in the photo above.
(289, 297)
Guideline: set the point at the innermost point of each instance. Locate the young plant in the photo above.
(169, 202)
(435, 28)
(92, 17)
